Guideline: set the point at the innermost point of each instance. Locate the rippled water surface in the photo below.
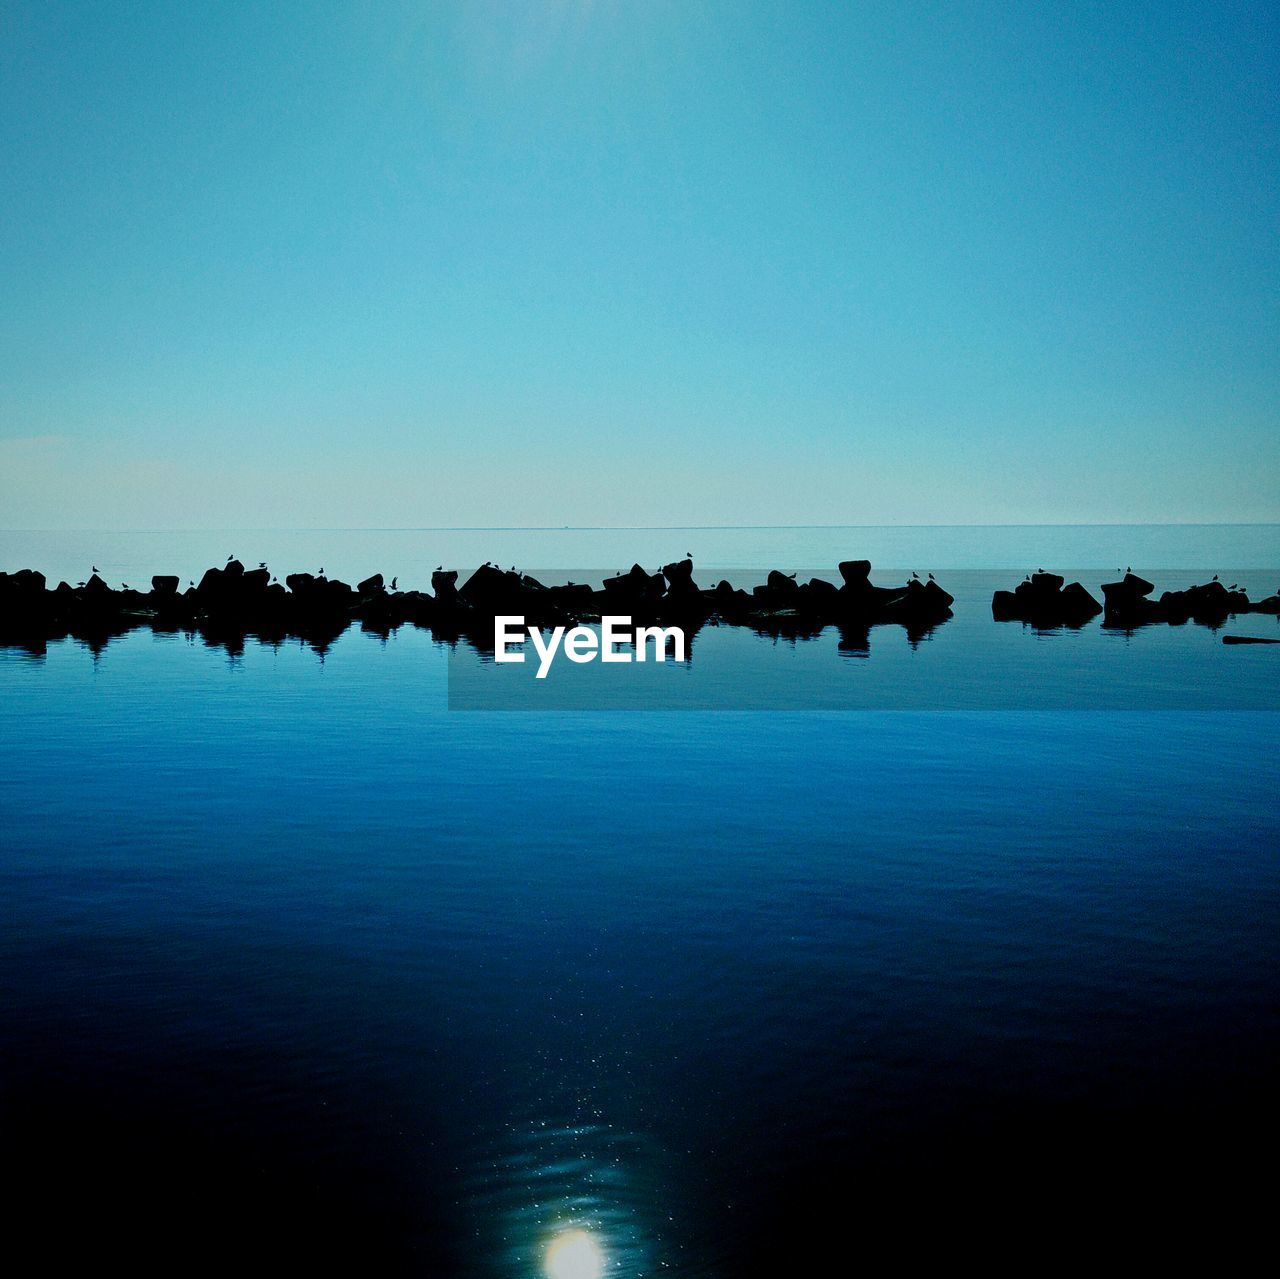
(298, 965)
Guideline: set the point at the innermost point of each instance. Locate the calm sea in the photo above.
(302, 972)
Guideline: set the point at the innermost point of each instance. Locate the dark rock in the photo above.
(164, 584)
(1042, 601)
(681, 571)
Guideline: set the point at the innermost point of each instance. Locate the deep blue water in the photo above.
(301, 971)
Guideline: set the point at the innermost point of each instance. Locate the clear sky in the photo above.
(591, 262)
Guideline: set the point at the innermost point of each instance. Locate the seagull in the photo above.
(1215, 577)
(688, 555)
(915, 577)
(394, 580)
(321, 574)
(94, 569)
(1129, 570)
(931, 578)
(230, 558)
(439, 567)
(262, 563)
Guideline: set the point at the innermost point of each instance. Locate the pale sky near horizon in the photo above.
(593, 263)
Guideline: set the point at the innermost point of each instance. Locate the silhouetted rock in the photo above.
(1042, 601)
(230, 603)
(1208, 604)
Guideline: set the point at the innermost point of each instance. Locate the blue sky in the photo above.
(403, 265)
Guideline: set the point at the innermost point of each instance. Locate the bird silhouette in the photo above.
(915, 577)
(394, 580)
(321, 574)
(94, 568)
(262, 563)
(439, 567)
(931, 578)
(1215, 577)
(230, 558)
(1039, 570)
(1129, 570)
(688, 555)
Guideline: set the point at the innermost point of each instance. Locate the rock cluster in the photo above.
(1042, 600)
(1128, 604)
(231, 602)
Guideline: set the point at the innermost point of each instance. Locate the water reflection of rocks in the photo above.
(232, 604)
(1043, 601)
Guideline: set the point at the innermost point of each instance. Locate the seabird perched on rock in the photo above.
(394, 580)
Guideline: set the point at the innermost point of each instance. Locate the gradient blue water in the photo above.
(426, 987)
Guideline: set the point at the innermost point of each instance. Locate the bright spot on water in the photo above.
(574, 1255)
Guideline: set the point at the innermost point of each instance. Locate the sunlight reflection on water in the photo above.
(571, 1201)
